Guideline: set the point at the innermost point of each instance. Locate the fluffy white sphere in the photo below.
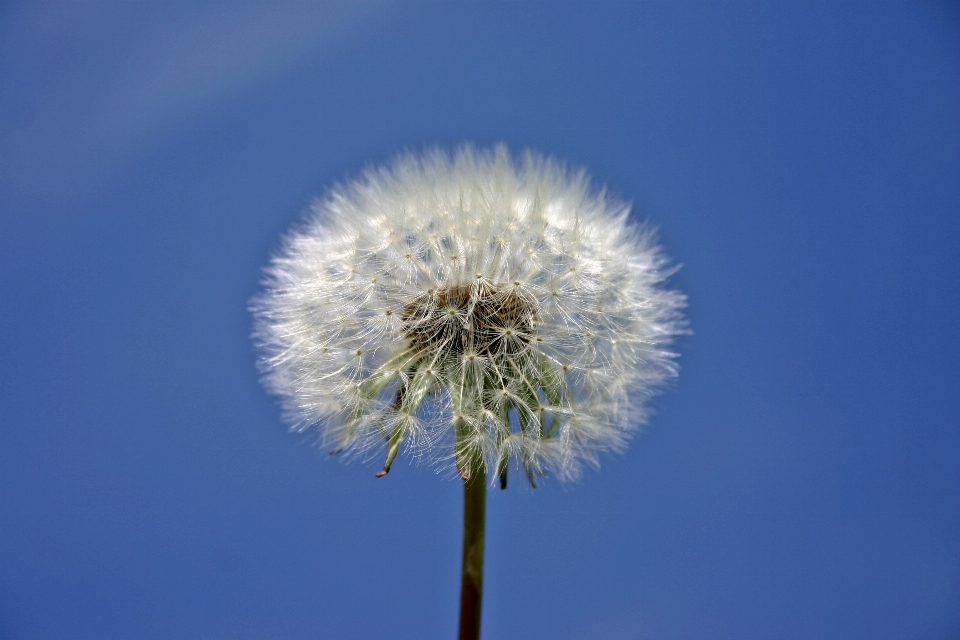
(473, 308)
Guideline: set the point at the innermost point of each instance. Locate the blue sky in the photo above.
(802, 162)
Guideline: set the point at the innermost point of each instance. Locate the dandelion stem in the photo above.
(474, 519)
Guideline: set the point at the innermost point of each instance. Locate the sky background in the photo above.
(801, 479)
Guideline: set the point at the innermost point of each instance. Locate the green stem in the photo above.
(474, 518)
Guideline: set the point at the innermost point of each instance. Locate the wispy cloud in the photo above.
(85, 84)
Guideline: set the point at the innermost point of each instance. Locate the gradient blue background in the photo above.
(800, 480)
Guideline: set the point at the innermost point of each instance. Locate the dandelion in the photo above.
(475, 310)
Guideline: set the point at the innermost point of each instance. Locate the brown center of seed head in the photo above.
(477, 318)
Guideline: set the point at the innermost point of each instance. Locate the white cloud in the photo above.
(87, 83)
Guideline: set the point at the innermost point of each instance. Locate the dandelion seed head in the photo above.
(472, 308)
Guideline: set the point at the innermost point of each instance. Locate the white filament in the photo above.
(331, 329)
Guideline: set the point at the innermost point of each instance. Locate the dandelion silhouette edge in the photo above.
(471, 308)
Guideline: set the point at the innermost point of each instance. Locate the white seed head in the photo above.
(472, 308)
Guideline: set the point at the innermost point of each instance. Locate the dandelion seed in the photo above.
(426, 302)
